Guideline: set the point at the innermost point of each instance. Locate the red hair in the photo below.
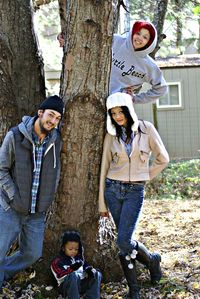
(146, 25)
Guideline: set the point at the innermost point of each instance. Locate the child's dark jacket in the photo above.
(61, 266)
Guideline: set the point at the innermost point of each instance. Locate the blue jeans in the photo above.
(30, 230)
(73, 286)
(125, 203)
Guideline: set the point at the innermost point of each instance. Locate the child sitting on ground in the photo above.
(74, 276)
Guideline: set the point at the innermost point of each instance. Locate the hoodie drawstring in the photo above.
(34, 159)
(54, 156)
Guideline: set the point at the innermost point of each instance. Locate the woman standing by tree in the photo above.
(132, 66)
(125, 169)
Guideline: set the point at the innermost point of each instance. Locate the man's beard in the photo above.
(42, 129)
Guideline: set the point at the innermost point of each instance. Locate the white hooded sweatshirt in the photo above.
(133, 68)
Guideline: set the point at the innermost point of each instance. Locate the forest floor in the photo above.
(170, 227)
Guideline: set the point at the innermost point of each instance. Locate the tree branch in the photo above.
(38, 3)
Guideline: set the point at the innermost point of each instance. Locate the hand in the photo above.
(104, 214)
(75, 266)
(60, 38)
(129, 90)
(90, 271)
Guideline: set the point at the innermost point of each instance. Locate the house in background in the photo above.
(52, 79)
(178, 112)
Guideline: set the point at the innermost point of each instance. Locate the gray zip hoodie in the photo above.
(17, 163)
(133, 68)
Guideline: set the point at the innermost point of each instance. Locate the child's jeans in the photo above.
(125, 201)
(73, 286)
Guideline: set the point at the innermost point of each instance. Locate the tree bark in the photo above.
(179, 6)
(198, 43)
(21, 68)
(38, 3)
(158, 21)
(7, 99)
(88, 29)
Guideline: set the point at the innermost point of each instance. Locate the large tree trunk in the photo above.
(7, 100)
(84, 87)
(21, 76)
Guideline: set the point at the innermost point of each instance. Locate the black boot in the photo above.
(151, 261)
(130, 275)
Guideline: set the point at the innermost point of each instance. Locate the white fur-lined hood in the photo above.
(119, 99)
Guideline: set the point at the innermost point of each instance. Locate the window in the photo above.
(173, 98)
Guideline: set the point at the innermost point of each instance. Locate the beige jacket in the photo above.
(117, 165)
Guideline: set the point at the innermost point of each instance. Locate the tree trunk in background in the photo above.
(158, 21)
(178, 8)
(88, 27)
(198, 47)
(179, 28)
(21, 76)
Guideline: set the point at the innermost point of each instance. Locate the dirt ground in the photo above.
(170, 227)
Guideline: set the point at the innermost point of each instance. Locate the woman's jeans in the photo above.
(125, 201)
(73, 286)
(30, 230)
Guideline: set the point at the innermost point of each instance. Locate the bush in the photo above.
(180, 180)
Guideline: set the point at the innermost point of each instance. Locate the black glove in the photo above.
(76, 265)
(90, 271)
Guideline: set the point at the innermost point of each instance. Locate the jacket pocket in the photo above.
(4, 201)
(115, 158)
(4, 196)
(16, 202)
(144, 159)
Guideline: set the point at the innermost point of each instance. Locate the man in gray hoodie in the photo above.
(29, 175)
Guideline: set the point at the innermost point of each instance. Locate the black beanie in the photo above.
(53, 103)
